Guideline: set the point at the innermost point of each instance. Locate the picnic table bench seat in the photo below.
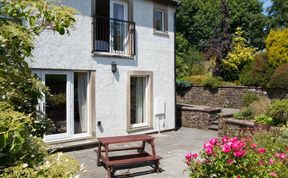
(141, 156)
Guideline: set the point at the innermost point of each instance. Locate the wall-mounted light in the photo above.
(113, 67)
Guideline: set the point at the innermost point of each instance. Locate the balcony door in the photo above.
(119, 26)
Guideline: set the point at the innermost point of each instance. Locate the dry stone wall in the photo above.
(229, 97)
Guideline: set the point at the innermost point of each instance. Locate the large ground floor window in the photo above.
(139, 100)
(66, 104)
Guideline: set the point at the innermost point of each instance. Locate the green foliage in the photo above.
(183, 84)
(188, 60)
(17, 144)
(264, 119)
(57, 99)
(197, 79)
(198, 19)
(277, 47)
(257, 73)
(272, 140)
(249, 98)
(213, 82)
(260, 106)
(279, 79)
(238, 57)
(278, 13)
(279, 111)
(21, 126)
(245, 114)
(55, 165)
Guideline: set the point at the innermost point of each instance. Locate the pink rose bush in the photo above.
(237, 157)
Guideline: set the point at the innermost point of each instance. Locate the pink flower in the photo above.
(213, 141)
(225, 139)
(208, 148)
(273, 174)
(280, 155)
(230, 161)
(261, 150)
(226, 148)
(209, 151)
(233, 139)
(195, 156)
(254, 145)
(238, 176)
(188, 157)
(239, 153)
(208, 145)
(271, 161)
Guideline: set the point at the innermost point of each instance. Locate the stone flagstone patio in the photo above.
(171, 146)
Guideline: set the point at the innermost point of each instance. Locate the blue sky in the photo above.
(267, 3)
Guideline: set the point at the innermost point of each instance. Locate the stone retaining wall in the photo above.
(229, 97)
(199, 117)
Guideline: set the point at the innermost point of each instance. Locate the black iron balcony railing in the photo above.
(114, 36)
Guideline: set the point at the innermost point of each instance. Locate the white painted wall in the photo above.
(154, 53)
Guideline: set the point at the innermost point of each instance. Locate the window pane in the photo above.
(159, 20)
(55, 106)
(80, 102)
(137, 91)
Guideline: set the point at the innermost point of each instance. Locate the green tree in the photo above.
(277, 47)
(278, 13)
(238, 57)
(198, 19)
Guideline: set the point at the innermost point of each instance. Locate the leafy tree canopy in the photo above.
(279, 13)
(198, 19)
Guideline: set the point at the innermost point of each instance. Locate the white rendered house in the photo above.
(114, 74)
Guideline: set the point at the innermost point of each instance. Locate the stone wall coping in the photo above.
(240, 122)
(248, 87)
(208, 109)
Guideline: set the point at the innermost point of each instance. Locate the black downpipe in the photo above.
(175, 114)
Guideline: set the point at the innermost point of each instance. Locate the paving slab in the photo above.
(171, 146)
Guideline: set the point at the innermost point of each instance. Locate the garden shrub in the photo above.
(277, 47)
(213, 82)
(237, 157)
(250, 97)
(264, 119)
(238, 57)
(260, 106)
(279, 80)
(55, 165)
(257, 73)
(244, 114)
(279, 111)
(17, 142)
(197, 79)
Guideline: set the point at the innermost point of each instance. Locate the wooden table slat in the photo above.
(124, 139)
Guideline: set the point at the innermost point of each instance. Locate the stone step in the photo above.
(213, 127)
(216, 122)
(74, 145)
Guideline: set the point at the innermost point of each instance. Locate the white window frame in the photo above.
(148, 120)
(163, 19)
(69, 106)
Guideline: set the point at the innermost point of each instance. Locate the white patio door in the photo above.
(66, 105)
(119, 25)
(57, 106)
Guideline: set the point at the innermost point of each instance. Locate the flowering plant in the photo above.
(235, 157)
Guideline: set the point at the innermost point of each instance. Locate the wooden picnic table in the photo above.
(140, 156)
